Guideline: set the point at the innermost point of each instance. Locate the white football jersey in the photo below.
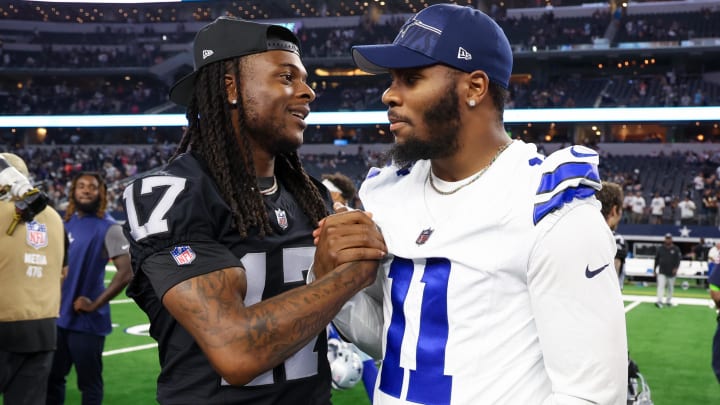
(503, 292)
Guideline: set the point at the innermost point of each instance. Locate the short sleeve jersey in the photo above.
(180, 227)
(493, 294)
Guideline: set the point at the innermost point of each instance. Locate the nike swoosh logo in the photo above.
(580, 154)
(123, 247)
(592, 273)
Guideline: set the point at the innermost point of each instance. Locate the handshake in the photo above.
(14, 186)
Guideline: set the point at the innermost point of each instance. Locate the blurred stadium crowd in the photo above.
(121, 49)
(58, 58)
(643, 178)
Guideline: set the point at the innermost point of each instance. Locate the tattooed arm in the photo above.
(242, 342)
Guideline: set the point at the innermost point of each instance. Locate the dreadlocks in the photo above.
(102, 192)
(210, 136)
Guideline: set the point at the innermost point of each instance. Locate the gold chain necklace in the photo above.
(482, 171)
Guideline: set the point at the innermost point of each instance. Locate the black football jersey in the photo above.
(622, 248)
(179, 227)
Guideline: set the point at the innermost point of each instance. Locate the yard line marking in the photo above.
(675, 300)
(130, 349)
(123, 301)
(631, 306)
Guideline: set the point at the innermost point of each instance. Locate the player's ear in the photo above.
(478, 84)
(231, 89)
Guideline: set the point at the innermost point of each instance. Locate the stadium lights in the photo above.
(617, 114)
(541, 115)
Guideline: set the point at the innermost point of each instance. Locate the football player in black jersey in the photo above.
(222, 237)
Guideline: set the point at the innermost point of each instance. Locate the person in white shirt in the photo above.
(687, 211)
(499, 285)
(699, 182)
(637, 207)
(657, 206)
(713, 257)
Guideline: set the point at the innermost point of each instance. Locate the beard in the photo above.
(273, 141)
(442, 120)
(88, 208)
(269, 134)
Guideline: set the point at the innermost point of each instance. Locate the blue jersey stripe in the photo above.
(374, 171)
(535, 161)
(560, 199)
(405, 170)
(567, 171)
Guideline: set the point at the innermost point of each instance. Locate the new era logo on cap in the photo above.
(463, 54)
(206, 53)
(457, 36)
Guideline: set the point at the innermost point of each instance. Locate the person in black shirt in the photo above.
(221, 238)
(667, 261)
(700, 251)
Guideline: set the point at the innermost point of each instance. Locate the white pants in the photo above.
(661, 281)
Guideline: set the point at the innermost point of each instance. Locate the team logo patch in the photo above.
(206, 53)
(281, 217)
(183, 255)
(424, 236)
(37, 235)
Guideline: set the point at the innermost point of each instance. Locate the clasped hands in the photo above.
(345, 237)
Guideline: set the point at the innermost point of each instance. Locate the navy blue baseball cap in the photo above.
(458, 36)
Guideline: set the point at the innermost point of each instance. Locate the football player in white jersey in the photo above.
(499, 286)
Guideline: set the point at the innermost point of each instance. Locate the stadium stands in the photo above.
(120, 59)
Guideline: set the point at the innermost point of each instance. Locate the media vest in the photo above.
(31, 262)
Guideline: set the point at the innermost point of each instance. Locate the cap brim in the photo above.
(181, 92)
(380, 58)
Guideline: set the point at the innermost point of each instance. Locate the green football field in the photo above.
(671, 346)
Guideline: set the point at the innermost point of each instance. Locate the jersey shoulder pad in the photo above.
(389, 171)
(566, 175)
(168, 203)
(389, 177)
(390, 174)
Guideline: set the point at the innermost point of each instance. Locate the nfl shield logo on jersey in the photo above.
(424, 236)
(37, 236)
(281, 217)
(183, 255)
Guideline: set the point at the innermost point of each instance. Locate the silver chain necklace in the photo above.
(272, 188)
(482, 171)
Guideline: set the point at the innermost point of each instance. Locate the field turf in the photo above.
(672, 347)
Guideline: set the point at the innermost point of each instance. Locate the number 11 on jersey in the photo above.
(427, 383)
